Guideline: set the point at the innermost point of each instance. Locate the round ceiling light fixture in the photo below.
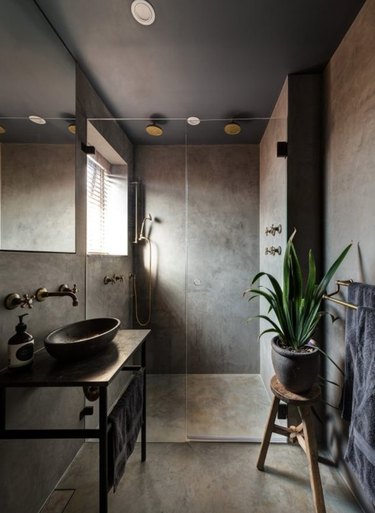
(2, 130)
(38, 120)
(72, 128)
(232, 128)
(154, 130)
(143, 12)
(193, 120)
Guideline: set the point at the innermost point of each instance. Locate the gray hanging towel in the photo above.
(362, 295)
(126, 421)
(360, 452)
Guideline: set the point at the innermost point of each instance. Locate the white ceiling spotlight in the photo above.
(143, 12)
(38, 120)
(193, 120)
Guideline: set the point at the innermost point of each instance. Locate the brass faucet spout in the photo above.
(42, 294)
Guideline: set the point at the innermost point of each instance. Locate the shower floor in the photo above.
(206, 407)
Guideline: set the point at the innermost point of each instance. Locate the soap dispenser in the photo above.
(20, 346)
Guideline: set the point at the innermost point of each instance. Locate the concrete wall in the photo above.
(202, 273)
(350, 187)
(38, 465)
(222, 255)
(272, 210)
(162, 171)
(35, 179)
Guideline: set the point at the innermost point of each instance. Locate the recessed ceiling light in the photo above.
(72, 128)
(143, 12)
(38, 120)
(2, 130)
(193, 120)
(154, 130)
(232, 128)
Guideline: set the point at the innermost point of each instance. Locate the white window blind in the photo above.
(106, 211)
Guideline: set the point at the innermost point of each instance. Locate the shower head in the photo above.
(141, 233)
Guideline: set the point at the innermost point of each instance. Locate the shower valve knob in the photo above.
(273, 251)
(273, 229)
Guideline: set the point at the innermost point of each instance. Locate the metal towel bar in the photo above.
(329, 297)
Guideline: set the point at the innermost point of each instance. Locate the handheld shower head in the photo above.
(141, 233)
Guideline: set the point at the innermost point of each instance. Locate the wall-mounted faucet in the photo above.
(13, 300)
(42, 293)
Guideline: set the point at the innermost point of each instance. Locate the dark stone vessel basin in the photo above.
(81, 339)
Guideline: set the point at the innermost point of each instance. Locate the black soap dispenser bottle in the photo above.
(20, 347)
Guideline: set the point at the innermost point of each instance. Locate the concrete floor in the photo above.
(206, 406)
(202, 478)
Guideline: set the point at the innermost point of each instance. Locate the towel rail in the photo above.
(329, 297)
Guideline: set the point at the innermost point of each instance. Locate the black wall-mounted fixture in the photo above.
(89, 150)
(282, 149)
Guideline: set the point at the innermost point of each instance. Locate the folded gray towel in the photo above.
(363, 295)
(360, 452)
(126, 421)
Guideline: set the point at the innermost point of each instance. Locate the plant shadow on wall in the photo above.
(296, 309)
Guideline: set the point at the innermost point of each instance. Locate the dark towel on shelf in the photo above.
(360, 453)
(363, 295)
(126, 421)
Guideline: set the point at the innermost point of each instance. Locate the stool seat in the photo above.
(289, 397)
(303, 433)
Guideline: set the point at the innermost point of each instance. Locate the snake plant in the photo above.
(296, 306)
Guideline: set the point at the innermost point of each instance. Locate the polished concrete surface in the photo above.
(205, 477)
(206, 406)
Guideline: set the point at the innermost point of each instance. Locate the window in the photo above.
(107, 229)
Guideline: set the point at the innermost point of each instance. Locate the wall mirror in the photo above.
(37, 133)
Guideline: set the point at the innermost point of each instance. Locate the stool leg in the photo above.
(312, 456)
(267, 434)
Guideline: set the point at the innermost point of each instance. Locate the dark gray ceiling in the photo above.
(212, 59)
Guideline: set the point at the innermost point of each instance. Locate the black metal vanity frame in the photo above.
(98, 371)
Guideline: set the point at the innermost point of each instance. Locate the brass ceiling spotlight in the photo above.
(2, 130)
(232, 128)
(72, 128)
(154, 129)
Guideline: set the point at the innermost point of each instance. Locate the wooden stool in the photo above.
(303, 434)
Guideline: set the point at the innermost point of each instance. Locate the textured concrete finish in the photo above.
(222, 255)
(206, 478)
(272, 210)
(350, 184)
(36, 179)
(166, 408)
(226, 406)
(162, 170)
(221, 406)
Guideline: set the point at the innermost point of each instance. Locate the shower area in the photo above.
(198, 210)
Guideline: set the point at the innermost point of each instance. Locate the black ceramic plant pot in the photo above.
(296, 370)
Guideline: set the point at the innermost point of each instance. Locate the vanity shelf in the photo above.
(97, 371)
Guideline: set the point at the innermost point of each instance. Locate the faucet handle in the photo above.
(65, 288)
(118, 277)
(27, 301)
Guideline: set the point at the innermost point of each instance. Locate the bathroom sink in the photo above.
(81, 339)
